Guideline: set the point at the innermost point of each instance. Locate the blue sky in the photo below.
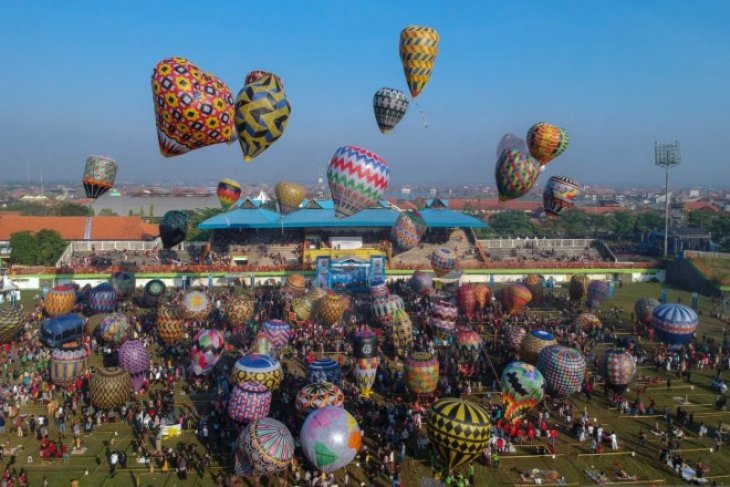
(616, 75)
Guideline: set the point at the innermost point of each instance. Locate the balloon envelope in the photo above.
(509, 142)
(389, 106)
(643, 308)
(173, 228)
(563, 368)
(228, 191)
(330, 438)
(546, 142)
(100, 172)
(618, 367)
(675, 324)
(560, 192)
(408, 229)
(357, 179)
(522, 388)
(419, 47)
(459, 430)
(289, 195)
(515, 174)
(443, 261)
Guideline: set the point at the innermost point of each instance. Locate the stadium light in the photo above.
(667, 156)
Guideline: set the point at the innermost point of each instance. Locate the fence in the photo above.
(86, 246)
(537, 243)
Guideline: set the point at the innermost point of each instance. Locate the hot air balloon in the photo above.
(240, 310)
(11, 321)
(442, 319)
(99, 175)
(249, 401)
(383, 308)
(564, 369)
(324, 370)
(533, 282)
(114, 329)
(135, 359)
(263, 369)
(379, 290)
(365, 370)
(60, 300)
(560, 192)
(419, 47)
(408, 229)
(197, 305)
(205, 352)
(264, 447)
(421, 373)
(102, 299)
(578, 287)
(643, 308)
(468, 342)
(421, 283)
(228, 191)
(509, 142)
(515, 173)
(278, 332)
(331, 308)
(522, 389)
(546, 142)
(155, 288)
(364, 344)
(315, 294)
(587, 322)
(483, 295)
(170, 324)
(110, 388)
(443, 261)
(193, 108)
(357, 178)
(389, 106)
(674, 324)
(513, 336)
(262, 113)
(289, 196)
(458, 430)
(93, 323)
(598, 291)
(513, 298)
(296, 283)
(317, 396)
(125, 283)
(67, 364)
(298, 311)
(261, 344)
(330, 438)
(533, 343)
(619, 368)
(466, 296)
(401, 332)
(173, 228)
(258, 75)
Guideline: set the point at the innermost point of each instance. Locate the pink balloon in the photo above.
(510, 141)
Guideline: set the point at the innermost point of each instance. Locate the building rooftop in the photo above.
(81, 227)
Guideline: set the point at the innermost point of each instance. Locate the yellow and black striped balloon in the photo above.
(419, 47)
(262, 112)
(459, 430)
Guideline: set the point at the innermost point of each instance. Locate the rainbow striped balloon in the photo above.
(419, 47)
(357, 179)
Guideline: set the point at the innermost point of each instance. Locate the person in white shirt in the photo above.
(614, 441)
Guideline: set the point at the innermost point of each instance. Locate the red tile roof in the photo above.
(484, 204)
(74, 227)
(701, 205)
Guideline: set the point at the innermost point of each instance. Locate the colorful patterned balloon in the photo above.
(533, 282)
(278, 332)
(390, 106)
(379, 290)
(515, 173)
(560, 192)
(442, 319)
(674, 324)
(258, 75)
(298, 311)
(421, 373)
(60, 300)
(109, 388)
(289, 195)
(67, 364)
(330, 438)
(102, 299)
(419, 47)
(228, 191)
(578, 287)
(125, 283)
(408, 229)
(364, 344)
(513, 336)
(240, 310)
(258, 368)
(618, 367)
(331, 308)
(383, 308)
(99, 175)
(324, 370)
(264, 447)
(197, 305)
(598, 291)
(365, 370)
(546, 142)
(421, 283)
(170, 324)
(155, 288)
(135, 359)
(174, 228)
(513, 298)
(357, 179)
(249, 401)
(483, 295)
(563, 368)
(205, 352)
(193, 108)
(262, 113)
(468, 342)
(587, 322)
(466, 297)
(643, 308)
(297, 283)
(115, 328)
(533, 343)
(317, 396)
(400, 332)
(458, 430)
(522, 389)
(442, 261)
(11, 321)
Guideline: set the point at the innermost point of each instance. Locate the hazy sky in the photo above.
(616, 75)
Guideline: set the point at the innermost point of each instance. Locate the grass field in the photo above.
(571, 460)
(715, 269)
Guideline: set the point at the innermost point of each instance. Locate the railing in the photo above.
(65, 256)
(537, 243)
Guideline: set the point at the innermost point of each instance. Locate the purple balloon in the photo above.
(510, 141)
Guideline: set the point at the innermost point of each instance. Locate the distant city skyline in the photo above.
(617, 76)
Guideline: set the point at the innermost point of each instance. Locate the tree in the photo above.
(512, 224)
(50, 246)
(198, 216)
(24, 250)
(71, 209)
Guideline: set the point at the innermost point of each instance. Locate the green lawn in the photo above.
(572, 457)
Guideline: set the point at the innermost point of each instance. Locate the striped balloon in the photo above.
(675, 324)
(546, 142)
(383, 308)
(419, 47)
(443, 319)
(390, 106)
(60, 300)
(228, 191)
(278, 332)
(357, 178)
(67, 364)
(515, 173)
(560, 192)
(249, 401)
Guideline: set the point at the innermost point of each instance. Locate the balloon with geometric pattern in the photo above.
(408, 229)
(193, 108)
(598, 291)
(228, 191)
(249, 401)
(11, 321)
(513, 298)
(206, 350)
(522, 388)
(459, 430)
(560, 192)
(135, 359)
(125, 283)
(533, 343)
(564, 369)
(643, 308)
(546, 142)
(264, 447)
(384, 307)
(99, 175)
(289, 196)
(357, 179)
(587, 322)
(102, 299)
(60, 300)
(421, 373)
(578, 287)
(442, 261)
(170, 324)
(618, 367)
(468, 342)
(513, 336)
(330, 438)
(365, 371)
(442, 319)
(197, 305)
(115, 328)
(278, 332)
(239, 310)
(401, 332)
(421, 282)
(674, 324)
(263, 369)
(390, 106)
(483, 295)
(316, 396)
(324, 370)
(418, 49)
(262, 113)
(466, 297)
(515, 173)
(331, 308)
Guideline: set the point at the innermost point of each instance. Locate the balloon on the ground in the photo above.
(109, 388)
(102, 299)
(262, 113)
(197, 305)
(400, 332)
(522, 389)
(228, 191)
(278, 332)
(546, 142)
(587, 322)
(442, 261)
(564, 369)
(365, 370)
(11, 321)
(533, 343)
(357, 179)
(100, 173)
(174, 228)
(67, 363)
(331, 308)
(418, 49)
(316, 396)
(515, 173)
(289, 196)
(125, 283)
(421, 372)
(598, 291)
(264, 447)
(115, 328)
(675, 324)
(421, 283)
(459, 430)
(578, 287)
(249, 401)
(483, 295)
(263, 369)
(466, 297)
(135, 359)
(643, 308)
(513, 336)
(297, 283)
(390, 106)
(330, 438)
(442, 319)
(155, 288)
(534, 282)
(170, 324)
(379, 290)
(206, 350)
(60, 300)
(514, 298)
(240, 310)
(560, 193)
(324, 370)
(384, 307)
(468, 342)
(364, 344)
(408, 229)
(618, 367)
(193, 108)
(298, 311)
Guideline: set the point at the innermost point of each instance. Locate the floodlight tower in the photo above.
(667, 156)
